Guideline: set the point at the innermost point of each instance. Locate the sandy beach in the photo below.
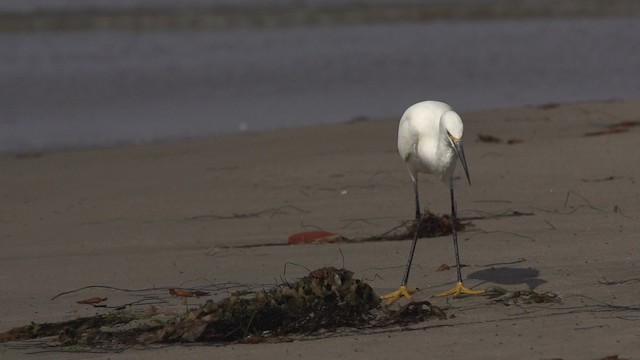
(219, 211)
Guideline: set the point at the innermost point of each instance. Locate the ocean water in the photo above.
(92, 88)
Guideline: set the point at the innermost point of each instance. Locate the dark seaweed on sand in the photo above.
(324, 301)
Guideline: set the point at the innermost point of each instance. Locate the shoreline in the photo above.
(39, 152)
(229, 17)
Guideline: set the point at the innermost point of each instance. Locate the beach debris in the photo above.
(443, 267)
(604, 281)
(548, 106)
(625, 123)
(92, 301)
(433, 225)
(500, 295)
(496, 140)
(325, 300)
(608, 178)
(82, 330)
(415, 312)
(186, 293)
(488, 138)
(607, 132)
(616, 128)
(508, 213)
(315, 236)
(613, 357)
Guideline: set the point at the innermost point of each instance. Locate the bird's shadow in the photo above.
(509, 276)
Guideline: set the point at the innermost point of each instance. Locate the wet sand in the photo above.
(184, 213)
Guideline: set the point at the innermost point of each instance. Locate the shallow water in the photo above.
(100, 88)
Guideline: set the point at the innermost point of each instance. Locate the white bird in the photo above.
(429, 141)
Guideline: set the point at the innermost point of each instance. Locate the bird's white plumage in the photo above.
(429, 141)
(424, 139)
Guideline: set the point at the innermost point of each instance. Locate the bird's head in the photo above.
(453, 128)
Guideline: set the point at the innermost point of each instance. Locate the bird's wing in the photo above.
(407, 139)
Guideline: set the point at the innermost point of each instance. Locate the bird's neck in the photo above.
(444, 151)
(443, 145)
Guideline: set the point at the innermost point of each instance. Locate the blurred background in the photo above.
(79, 73)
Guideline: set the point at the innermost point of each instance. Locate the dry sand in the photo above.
(174, 215)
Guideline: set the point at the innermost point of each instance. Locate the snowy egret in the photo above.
(429, 140)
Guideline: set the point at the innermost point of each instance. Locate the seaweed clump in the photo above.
(499, 295)
(326, 300)
(433, 225)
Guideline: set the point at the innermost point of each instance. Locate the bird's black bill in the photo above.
(457, 146)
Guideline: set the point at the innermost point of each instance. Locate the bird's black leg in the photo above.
(403, 291)
(415, 191)
(405, 279)
(454, 233)
(459, 288)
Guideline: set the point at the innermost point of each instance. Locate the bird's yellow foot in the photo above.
(458, 290)
(402, 292)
